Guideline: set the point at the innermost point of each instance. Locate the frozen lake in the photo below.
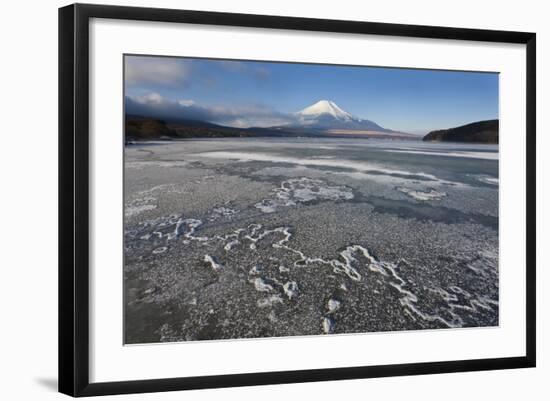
(262, 237)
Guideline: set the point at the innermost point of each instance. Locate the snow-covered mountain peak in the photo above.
(327, 115)
(326, 107)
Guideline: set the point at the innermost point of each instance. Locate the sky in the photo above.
(262, 94)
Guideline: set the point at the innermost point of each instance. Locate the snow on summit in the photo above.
(325, 114)
(326, 107)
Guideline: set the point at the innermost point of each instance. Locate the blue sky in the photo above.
(247, 93)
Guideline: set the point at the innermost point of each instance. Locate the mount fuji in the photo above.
(327, 115)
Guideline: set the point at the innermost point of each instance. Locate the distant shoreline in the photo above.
(144, 128)
(167, 140)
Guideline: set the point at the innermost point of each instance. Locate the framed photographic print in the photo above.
(249, 199)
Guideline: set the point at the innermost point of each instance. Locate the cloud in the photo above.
(162, 71)
(150, 98)
(186, 102)
(248, 68)
(154, 105)
(172, 72)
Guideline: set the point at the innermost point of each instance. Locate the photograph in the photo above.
(276, 199)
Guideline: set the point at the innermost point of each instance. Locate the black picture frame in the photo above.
(74, 198)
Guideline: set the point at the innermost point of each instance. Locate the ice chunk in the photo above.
(333, 305)
(215, 265)
(290, 288)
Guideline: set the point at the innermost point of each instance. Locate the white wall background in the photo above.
(28, 204)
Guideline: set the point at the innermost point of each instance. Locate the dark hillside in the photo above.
(478, 132)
